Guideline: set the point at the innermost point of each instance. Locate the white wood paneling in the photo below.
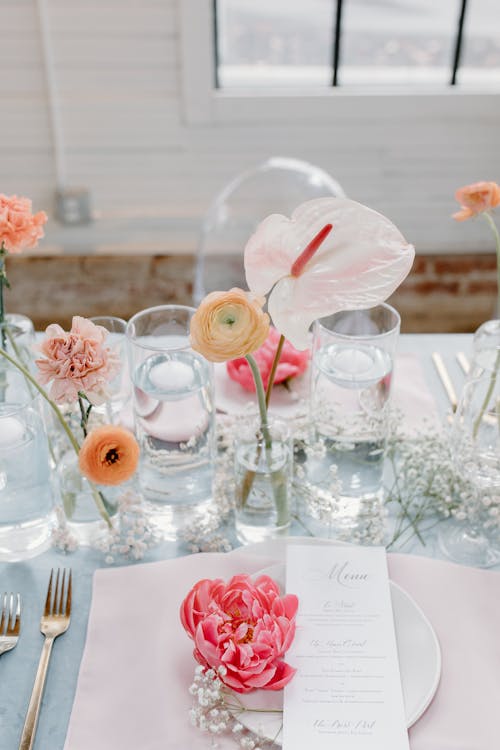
(139, 141)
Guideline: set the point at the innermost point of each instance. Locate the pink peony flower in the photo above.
(292, 363)
(19, 228)
(77, 361)
(245, 626)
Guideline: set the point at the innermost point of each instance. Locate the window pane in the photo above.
(480, 61)
(398, 41)
(265, 43)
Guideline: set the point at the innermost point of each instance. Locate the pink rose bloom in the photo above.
(19, 228)
(77, 361)
(244, 626)
(292, 363)
(476, 198)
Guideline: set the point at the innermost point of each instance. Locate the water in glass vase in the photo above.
(262, 482)
(174, 418)
(26, 504)
(350, 390)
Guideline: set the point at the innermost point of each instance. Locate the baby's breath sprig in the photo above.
(215, 710)
(427, 488)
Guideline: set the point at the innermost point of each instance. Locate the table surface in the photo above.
(30, 578)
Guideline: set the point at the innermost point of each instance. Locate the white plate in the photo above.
(232, 398)
(418, 650)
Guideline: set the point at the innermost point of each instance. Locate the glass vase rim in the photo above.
(15, 407)
(148, 310)
(253, 419)
(93, 318)
(362, 336)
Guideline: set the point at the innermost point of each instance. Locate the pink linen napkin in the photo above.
(410, 394)
(137, 663)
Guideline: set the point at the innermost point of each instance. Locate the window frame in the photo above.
(204, 104)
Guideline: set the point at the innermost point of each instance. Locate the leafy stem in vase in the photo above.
(279, 486)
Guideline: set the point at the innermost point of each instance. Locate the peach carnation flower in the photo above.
(109, 455)
(77, 361)
(229, 325)
(476, 199)
(20, 229)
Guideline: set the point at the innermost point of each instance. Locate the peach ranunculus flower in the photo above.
(109, 455)
(77, 361)
(230, 324)
(245, 626)
(476, 199)
(20, 229)
(332, 254)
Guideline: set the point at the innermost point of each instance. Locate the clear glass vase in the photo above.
(473, 536)
(340, 483)
(26, 492)
(485, 349)
(263, 470)
(79, 502)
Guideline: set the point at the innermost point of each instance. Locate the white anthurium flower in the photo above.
(332, 254)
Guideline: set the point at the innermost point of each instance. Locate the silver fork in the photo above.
(10, 622)
(55, 621)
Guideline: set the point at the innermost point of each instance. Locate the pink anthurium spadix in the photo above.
(332, 254)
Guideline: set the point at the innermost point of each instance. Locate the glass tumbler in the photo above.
(26, 492)
(352, 365)
(174, 417)
(473, 536)
(117, 408)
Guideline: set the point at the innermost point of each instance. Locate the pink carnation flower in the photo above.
(77, 361)
(19, 228)
(244, 626)
(292, 363)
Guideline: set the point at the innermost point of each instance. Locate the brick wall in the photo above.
(443, 293)
(448, 293)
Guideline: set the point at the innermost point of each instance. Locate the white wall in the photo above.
(126, 139)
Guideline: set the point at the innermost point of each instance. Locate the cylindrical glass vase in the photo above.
(263, 470)
(174, 416)
(26, 492)
(352, 366)
(473, 537)
(81, 500)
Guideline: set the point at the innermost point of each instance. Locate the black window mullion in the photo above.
(336, 42)
(458, 43)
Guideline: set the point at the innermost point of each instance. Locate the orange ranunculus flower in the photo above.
(476, 198)
(109, 455)
(230, 324)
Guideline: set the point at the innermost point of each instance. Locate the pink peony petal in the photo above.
(283, 675)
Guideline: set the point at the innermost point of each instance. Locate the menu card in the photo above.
(347, 689)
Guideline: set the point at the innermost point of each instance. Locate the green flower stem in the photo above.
(84, 416)
(3, 282)
(261, 397)
(278, 481)
(64, 425)
(484, 406)
(475, 429)
(496, 235)
(274, 367)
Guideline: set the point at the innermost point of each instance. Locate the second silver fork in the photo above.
(10, 621)
(55, 621)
